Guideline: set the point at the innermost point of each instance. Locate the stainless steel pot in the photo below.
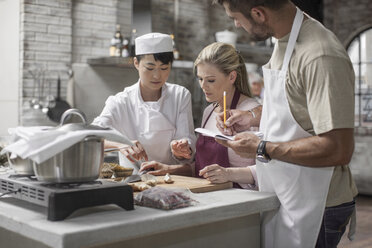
(21, 166)
(79, 163)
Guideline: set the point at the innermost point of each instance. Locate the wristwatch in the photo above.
(261, 154)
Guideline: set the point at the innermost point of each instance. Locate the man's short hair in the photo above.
(245, 6)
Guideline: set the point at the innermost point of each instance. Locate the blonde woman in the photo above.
(219, 67)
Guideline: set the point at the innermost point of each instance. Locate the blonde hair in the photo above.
(226, 59)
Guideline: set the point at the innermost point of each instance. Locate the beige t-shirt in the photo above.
(320, 92)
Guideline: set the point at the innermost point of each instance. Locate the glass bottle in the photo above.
(176, 53)
(132, 46)
(112, 47)
(125, 51)
(118, 41)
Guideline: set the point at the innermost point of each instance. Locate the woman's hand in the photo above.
(215, 173)
(181, 149)
(136, 152)
(155, 168)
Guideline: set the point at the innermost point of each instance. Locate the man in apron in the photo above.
(307, 122)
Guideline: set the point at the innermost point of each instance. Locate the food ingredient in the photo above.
(168, 178)
(162, 198)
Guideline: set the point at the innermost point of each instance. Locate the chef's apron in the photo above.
(302, 191)
(156, 133)
(208, 151)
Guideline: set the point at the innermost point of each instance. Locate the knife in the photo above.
(136, 177)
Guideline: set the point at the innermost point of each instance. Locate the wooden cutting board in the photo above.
(195, 185)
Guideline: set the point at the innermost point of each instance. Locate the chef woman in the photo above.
(218, 67)
(154, 114)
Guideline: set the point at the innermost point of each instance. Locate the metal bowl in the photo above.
(79, 163)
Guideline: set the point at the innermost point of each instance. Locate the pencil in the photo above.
(224, 108)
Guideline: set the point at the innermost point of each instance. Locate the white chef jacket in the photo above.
(169, 118)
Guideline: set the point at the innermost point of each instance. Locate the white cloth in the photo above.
(153, 43)
(302, 191)
(41, 143)
(153, 124)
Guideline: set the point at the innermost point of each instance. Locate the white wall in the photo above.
(9, 64)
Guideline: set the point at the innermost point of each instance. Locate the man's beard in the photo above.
(260, 32)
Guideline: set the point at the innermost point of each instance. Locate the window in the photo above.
(360, 52)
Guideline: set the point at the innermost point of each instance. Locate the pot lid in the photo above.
(76, 126)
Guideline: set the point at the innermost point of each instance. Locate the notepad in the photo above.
(213, 134)
(218, 135)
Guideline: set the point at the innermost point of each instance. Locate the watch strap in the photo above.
(261, 149)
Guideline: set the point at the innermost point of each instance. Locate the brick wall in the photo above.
(345, 17)
(198, 23)
(46, 30)
(94, 25)
(56, 34)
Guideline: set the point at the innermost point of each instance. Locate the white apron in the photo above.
(302, 191)
(156, 133)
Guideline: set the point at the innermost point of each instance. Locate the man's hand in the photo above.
(215, 173)
(181, 149)
(238, 120)
(245, 144)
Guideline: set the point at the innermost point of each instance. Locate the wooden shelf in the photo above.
(112, 61)
(128, 62)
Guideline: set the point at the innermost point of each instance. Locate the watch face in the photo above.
(262, 158)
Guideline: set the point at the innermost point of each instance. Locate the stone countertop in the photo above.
(109, 223)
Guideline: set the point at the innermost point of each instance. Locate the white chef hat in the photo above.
(153, 43)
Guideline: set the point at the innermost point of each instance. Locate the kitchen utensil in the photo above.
(79, 163)
(115, 149)
(21, 166)
(195, 185)
(70, 98)
(135, 177)
(38, 84)
(49, 100)
(60, 107)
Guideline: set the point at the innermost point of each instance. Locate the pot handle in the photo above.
(72, 111)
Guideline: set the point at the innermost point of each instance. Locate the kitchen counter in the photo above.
(225, 218)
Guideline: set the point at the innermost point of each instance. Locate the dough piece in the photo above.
(151, 182)
(139, 186)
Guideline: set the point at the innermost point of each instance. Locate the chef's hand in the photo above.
(245, 144)
(135, 152)
(154, 168)
(215, 173)
(238, 120)
(181, 149)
